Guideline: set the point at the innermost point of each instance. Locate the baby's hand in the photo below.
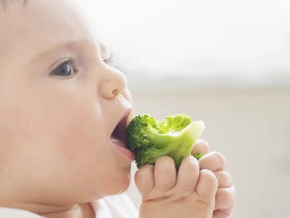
(225, 199)
(188, 194)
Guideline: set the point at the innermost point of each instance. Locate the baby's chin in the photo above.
(124, 183)
(119, 185)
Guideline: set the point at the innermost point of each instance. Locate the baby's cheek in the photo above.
(81, 129)
(19, 124)
(76, 128)
(10, 118)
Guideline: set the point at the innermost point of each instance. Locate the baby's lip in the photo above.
(120, 129)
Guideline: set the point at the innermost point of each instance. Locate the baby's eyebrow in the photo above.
(68, 45)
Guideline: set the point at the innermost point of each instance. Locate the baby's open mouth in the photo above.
(119, 131)
(118, 138)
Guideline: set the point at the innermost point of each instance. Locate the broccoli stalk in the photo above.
(150, 139)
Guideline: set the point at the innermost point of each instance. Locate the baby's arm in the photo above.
(198, 190)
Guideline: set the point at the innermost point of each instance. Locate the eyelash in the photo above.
(110, 60)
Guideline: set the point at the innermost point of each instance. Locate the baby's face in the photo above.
(59, 105)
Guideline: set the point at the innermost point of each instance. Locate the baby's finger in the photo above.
(224, 179)
(207, 184)
(213, 161)
(222, 214)
(144, 179)
(225, 199)
(188, 174)
(165, 173)
(200, 146)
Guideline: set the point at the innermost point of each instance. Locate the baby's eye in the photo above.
(65, 69)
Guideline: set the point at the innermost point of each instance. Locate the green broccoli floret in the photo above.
(150, 139)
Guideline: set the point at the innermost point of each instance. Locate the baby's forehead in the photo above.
(27, 29)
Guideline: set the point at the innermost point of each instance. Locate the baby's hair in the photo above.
(5, 2)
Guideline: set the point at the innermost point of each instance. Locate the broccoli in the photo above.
(150, 139)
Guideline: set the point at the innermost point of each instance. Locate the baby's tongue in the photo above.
(118, 141)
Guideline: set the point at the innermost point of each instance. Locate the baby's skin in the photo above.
(60, 102)
(200, 189)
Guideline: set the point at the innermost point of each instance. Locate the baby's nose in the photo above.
(113, 82)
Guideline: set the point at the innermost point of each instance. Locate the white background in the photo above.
(219, 41)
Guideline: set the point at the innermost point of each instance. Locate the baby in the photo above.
(63, 112)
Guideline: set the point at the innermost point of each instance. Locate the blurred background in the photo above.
(226, 62)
